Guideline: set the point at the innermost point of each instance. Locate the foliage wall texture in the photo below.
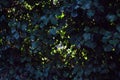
(59, 40)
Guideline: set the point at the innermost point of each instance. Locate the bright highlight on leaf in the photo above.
(60, 16)
(27, 6)
(59, 39)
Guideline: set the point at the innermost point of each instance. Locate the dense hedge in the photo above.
(59, 40)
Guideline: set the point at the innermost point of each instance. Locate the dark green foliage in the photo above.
(59, 40)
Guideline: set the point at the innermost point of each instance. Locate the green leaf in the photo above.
(75, 70)
(24, 27)
(46, 72)
(53, 20)
(107, 35)
(90, 13)
(74, 14)
(87, 72)
(87, 36)
(13, 30)
(76, 7)
(107, 48)
(60, 16)
(111, 17)
(52, 31)
(118, 28)
(12, 24)
(114, 42)
(116, 35)
(42, 25)
(38, 74)
(118, 12)
(86, 29)
(119, 46)
(34, 44)
(4, 2)
(86, 5)
(16, 35)
(90, 44)
(2, 18)
(21, 0)
(44, 19)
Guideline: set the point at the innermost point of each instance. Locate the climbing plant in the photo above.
(59, 40)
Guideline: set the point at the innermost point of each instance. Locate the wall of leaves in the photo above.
(59, 40)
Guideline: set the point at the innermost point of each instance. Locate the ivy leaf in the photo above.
(13, 30)
(79, 1)
(44, 19)
(38, 74)
(90, 44)
(114, 42)
(34, 44)
(12, 24)
(119, 46)
(4, 2)
(87, 36)
(17, 77)
(16, 35)
(21, 0)
(42, 25)
(76, 7)
(86, 29)
(116, 35)
(53, 20)
(118, 28)
(86, 5)
(46, 72)
(90, 13)
(106, 37)
(107, 48)
(75, 70)
(23, 27)
(18, 25)
(2, 18)
(87, 72)
(118, 12)
(74, 14)
(52, 31)
(111, 17)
